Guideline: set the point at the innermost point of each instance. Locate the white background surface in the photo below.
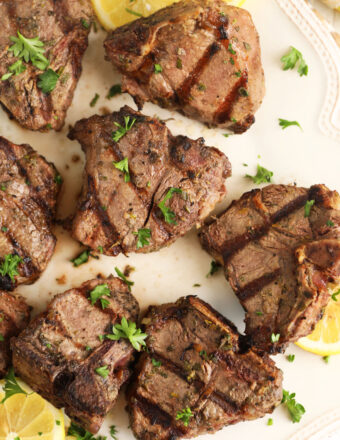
(305, 157)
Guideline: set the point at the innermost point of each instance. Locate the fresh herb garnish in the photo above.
(127, 330)
(293, 58)
(9, 266)
(169, 216)
(30, 49)
(330, 223)
(243, 92)
(156, 363)
(11, 386)
(4, 229)
(116, 89)
(123, 278)
(308, 207)
(184, 415)
(231, 50)
(214, 267)
(82, 258)
(275, 337)
(296, 410)
(143, 235)
(123, 166)
(102, 371)
(85, 23)
(270, 422)
(130, 11)
(98, 292)
(158, 68)
(94, 100)
(334, 296)
(2, 338)
(179, 63)
(58, 422)
(113, 432)
(262, 176)
(100, 249)
(58, 179)
(196, 285)
(284, 123)
(118, 134)
(290, 357)
(48, 81)
(15, 69)
(259, 313)
(326, 359)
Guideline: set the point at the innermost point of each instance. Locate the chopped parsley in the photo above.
(293, 58)
(169, 216)
(82, 258)
(58, 422)
(290, 357)
(275, 337)
(58, 179)
(230, 49)
(143, 235)
(4, 229)
(113, 432)
(270, 422)
(48, 80)
(81, 434)
(308, 207)
(214, 267)
(179, 63)
(334, 296)
(11, 386)
(123, 166)
(196, 285)
(156, 363)
(123, 278)
(238, 74)
(100, 249)
(296, 410)
(15, 69)
(130, 11)
(284, 123)
(201, 87)
(243, 92)
(259, 313)
(97, 293)
(262, 176)
(94, 100)
(330, 223)
(184, 415)
(116, 89)
(127, 330)
(85, 23)
(326, 359)
(158, 68)
(10, 265)
(121, 131)
(102, 371)
(2, 338)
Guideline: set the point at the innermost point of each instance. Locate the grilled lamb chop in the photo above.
(195, 363)
(29, 187)
(119, 210)
(200, 57)
(14, 317)
(58, 353)
(280, 247)
(63, 27)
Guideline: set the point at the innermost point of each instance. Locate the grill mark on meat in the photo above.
(252, 288)
(183, 92)
(28, 268)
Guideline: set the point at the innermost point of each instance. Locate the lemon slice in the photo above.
(325, 339)
(114, 13)
(29, 417)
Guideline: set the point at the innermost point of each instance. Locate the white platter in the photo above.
(305, 157)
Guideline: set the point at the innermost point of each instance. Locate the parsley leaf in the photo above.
(118, 134)
(94, 100)
(127, 330)
(158, 68)
(113, 432)
(290, 357)
(330, 223)
(184, 415)
(275, 337)
(9, 266)
(48, 81)
(81, 433)
(262, 176)
(98, 292)
(308, 207)
(116, 89)
(326, 359)
(155, 362)
(214, 267)
(143, 235)
(17, 67)
(284, 123)
(123, 166)
(82, 258)
(293, 58)
(270, 422)
(102, 371)
(169, 216)
(11, 386)
(296, 410)
(30, 49)
(334, 296)
(123, 277)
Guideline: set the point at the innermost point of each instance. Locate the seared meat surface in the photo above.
(200, 57)
(195, 362)
(58, 353)
(14, 317)
(63, 27)
(280, 247)
(119, 210)
(29, 187)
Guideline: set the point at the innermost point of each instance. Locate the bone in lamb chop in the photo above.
(64, 356)
(196, 376)
(61, 28)
(200, 57)
(280, 247)
(29, 187)
(143, 188)
(14, 317)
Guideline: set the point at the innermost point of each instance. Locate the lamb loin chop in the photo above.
(64, 356)
(29, 187)
(280, 247)
(143, 188)
(59, 29)
(200, 57)
(14, 317)
(196, 376)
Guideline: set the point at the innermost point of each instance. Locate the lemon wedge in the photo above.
(115, 13)
(325, 339)
(29, 417)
